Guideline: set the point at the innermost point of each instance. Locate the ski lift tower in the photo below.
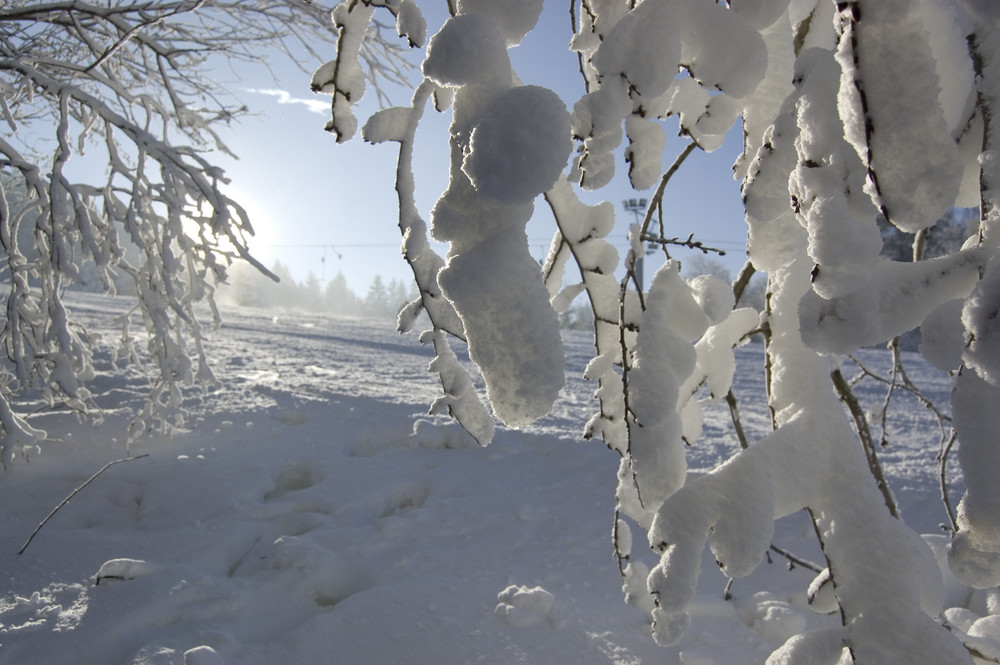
(637, 207)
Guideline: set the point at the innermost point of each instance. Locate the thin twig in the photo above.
(737, 423)
(796, 560)
(864, 433)
(793, 561)
(74, 493)
(943, 478)
(906, 384)
(688, 242)
(743, 280)
(664, 179)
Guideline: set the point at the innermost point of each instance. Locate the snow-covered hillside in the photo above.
(312, 513)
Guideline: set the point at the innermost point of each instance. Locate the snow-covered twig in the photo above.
(688, 242)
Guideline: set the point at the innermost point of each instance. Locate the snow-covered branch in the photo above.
(853, 112)
(128, 84)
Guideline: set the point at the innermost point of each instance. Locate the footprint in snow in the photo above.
(293, 478)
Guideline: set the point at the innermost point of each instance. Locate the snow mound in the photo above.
(124, 570)
(772, 617)
(203, 655)
(521, 606)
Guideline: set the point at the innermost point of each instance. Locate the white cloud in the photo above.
(284, 97)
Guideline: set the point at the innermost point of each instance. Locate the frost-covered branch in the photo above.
(129, 84)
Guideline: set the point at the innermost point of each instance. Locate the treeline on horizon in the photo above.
(246, 287)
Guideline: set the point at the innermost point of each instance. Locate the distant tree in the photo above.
(377, 299)
(706, 264)
(944, 237)
(311, 292)
(578, 316)
(398, 294)
(755, 292)
(339, 299)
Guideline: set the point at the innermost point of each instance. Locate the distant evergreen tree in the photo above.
(377, 300)
(339, 299)
(705, 264)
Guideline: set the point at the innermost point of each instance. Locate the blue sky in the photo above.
(323, 208)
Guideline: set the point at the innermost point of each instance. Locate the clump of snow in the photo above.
(597, 118)
(508, 144)
(203, 655)
(124, 569)
(515, 18)
(513, 332)
(720, 50)
(900, 297)
(387, 125)
(817, 647)
(772, 617)
(645, 151)
(715, 297)
(522, 606)
(663, 360)
(344, 77)
(468, 50)
(981, 317)
(519, 145)
(942, 336)
(975, 555)
(919, 167)
(759, 13)
(410, 23)
(774, 232)
(638, 46)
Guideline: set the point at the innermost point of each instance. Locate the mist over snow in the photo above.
(311, 512)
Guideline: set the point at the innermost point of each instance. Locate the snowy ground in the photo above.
(314, 514)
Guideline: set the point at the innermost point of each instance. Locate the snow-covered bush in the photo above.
(851, 110)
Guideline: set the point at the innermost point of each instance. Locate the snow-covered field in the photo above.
(312, 513)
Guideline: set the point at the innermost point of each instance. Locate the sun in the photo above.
(257, 214)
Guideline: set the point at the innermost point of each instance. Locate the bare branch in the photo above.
(70, 496)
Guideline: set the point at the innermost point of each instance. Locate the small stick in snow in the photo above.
(74, 493)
